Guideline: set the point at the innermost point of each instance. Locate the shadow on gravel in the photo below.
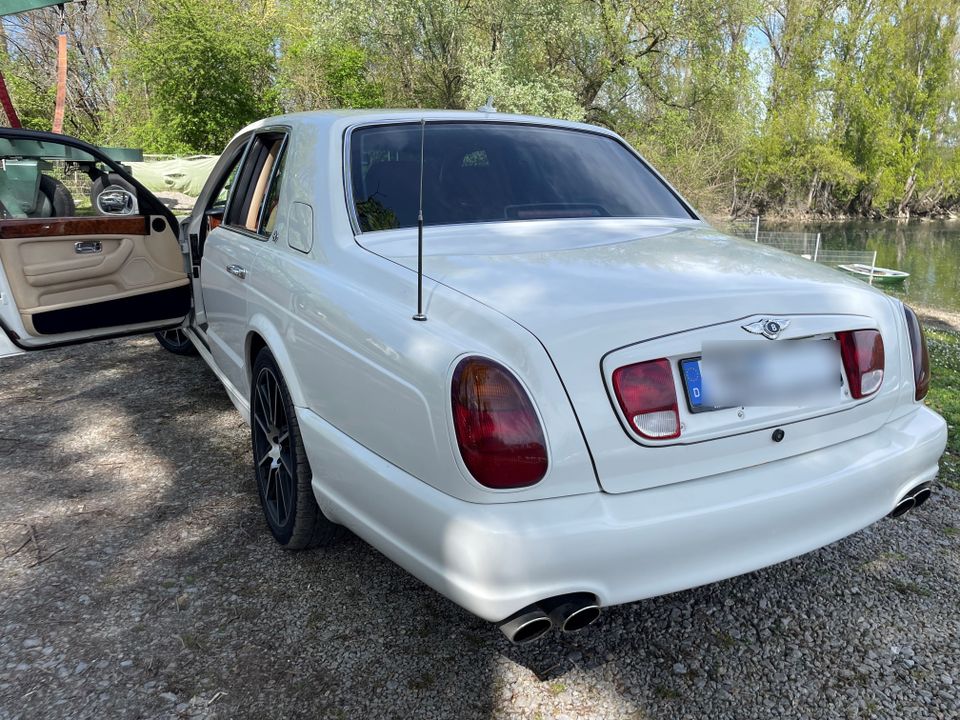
(167, 596)
(168, 587)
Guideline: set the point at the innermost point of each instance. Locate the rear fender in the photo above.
(261, 325)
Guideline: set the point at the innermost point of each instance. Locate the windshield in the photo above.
(484, 172)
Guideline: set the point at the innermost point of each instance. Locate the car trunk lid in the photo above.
(602, 294)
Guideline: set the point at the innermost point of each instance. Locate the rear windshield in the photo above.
(483, 172)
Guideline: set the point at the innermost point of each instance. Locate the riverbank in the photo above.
(781, 217)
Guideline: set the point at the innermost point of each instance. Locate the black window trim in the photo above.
(230, 194)
(348, 177)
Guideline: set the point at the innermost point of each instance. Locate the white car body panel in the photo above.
(620, 291)
(561, 304)
(494, 560)
(225, 299)
(7, 348)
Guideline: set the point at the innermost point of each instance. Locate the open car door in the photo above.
(86, 252)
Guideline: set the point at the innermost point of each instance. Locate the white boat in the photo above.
(878, 274)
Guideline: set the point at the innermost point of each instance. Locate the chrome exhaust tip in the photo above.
(902, 507)
(572, 612)
(579, 619)
(526, 625)
(914, 498)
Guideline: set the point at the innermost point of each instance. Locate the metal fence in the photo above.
(806, 245)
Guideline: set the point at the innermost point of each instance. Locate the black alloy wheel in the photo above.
(176, 341)
(281, 467)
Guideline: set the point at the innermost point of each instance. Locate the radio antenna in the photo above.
(420, 316)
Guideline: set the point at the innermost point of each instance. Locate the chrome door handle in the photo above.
(237, 270)
(86, 247)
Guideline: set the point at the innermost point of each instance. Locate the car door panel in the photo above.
(68, 275)
(225, 298)
(231, 252)
(53, 270)
(82, 270)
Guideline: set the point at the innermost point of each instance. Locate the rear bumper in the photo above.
(496, 559)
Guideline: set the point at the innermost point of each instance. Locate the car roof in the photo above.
(338, 120)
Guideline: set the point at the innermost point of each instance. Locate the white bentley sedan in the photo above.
(587, 396)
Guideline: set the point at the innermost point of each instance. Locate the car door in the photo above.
(231, 249)
(86, 251)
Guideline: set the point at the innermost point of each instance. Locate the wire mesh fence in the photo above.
(804, 244)
(808, 246)
(746, 229)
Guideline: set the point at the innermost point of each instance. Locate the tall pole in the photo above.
(8, 109)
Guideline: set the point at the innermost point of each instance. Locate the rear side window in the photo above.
(485, 172)
(268, 214)
(256, 192)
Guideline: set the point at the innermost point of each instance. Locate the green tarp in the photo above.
(12, 7)
(182, 175)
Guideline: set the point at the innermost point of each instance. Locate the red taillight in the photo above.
(921, 358)
(648, 397)
(498, 431)
(862, 354)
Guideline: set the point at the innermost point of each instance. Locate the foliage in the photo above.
(201, 70)
(944, 394)
(782, 106)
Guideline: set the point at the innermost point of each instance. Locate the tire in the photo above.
(176, 341)
(280, 465)
(55, 200)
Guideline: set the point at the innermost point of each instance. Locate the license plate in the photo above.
(794, 373)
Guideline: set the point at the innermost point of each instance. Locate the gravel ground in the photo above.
(137, 580)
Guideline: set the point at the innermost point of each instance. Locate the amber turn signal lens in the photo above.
(498, 431)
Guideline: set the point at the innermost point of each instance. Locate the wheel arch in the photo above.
(261, 334)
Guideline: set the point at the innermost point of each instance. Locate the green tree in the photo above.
(200, 71)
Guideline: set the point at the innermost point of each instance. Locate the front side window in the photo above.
(487, 172)
(220, 200)
(48, 179)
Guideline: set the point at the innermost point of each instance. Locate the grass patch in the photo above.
(944, 395)
(883, 560)
(422, 682)
(666, 693)
(725, 640)
(909, 588)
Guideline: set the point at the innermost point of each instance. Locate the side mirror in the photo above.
(214, 217)
(115, 200)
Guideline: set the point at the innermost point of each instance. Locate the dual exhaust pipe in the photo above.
(569, 613)
(914, 498)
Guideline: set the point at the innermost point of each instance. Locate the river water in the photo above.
(929, 251)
